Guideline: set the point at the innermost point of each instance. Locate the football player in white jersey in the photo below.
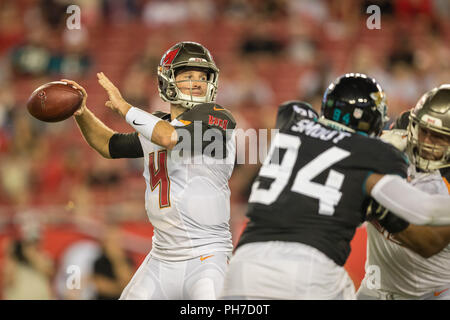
(413, 262)
(187, 202)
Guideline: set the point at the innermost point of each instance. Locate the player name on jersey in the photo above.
(215, 121)
(314, 192)
(315, 130)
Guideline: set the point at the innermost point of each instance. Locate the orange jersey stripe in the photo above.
(447, 184)
(186, 122)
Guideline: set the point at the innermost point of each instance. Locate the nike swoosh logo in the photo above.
(217, 109)
(137, 124)
(438, 293)
(204, 258)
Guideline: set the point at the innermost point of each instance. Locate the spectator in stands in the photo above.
(118, 12)
(7, 105)
(258, 40)
(28, 269)
(408, 9)
(113, 269)
(201, 11)
(386, 7)
(135, 85)
(74, 61)
(149, 59)
(102, 175)
(441, 9)
(315, 11)
(271, 9)
(15, 166)
(54, 12)
(81, 254)
(165, 12)
(243, 87)
(402, 88)
(33, 56)
(402, 52)
(11, 26)
(344, 19)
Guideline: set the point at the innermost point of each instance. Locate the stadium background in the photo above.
(57, 191)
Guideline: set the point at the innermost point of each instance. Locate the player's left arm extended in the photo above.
(151, 127)
(407, 202)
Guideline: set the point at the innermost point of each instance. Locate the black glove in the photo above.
(389, 221)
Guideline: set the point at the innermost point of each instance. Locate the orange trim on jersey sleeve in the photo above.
(447, 184)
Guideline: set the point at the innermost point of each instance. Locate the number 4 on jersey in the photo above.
(160, 177)
(328, 194)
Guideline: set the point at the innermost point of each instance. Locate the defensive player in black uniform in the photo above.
(312, 193)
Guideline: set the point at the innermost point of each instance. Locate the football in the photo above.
(54, 101)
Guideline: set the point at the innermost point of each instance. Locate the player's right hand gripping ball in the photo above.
(54, 101)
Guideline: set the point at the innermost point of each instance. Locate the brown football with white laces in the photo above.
(54, 101)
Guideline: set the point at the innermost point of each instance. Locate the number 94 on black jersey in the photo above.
(310, 188)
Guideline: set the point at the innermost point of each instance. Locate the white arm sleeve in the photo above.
(143, 122)
(410, 203)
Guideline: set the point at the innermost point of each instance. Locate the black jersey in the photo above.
(311, 186)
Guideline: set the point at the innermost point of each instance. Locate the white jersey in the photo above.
(402, 271)
(187, 204)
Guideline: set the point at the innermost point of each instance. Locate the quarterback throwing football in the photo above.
(188, 203)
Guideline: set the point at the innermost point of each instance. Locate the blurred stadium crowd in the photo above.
(61, 202)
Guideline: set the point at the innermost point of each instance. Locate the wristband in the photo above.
(142, 121)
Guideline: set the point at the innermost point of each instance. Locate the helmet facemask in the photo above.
(427, 156)
(190, 98)
(182, 57)
(428, 143)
